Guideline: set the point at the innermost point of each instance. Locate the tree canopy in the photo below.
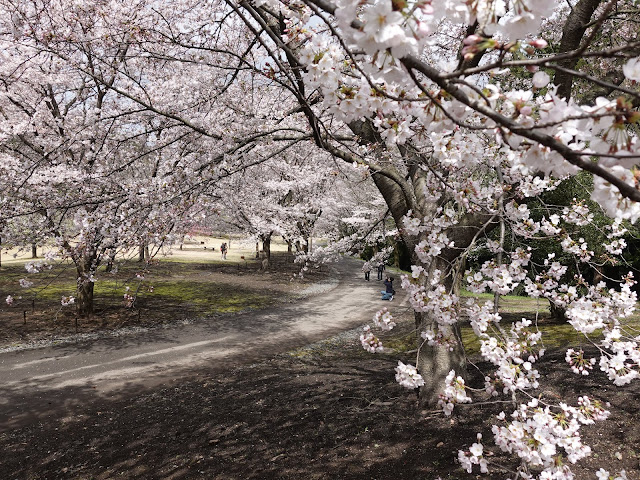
(124, 122)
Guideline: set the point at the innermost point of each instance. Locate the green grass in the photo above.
(176, 285)
(512, 309)
(210, 297)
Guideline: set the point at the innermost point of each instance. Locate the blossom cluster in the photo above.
(369, 341)
(474, 457)
(579, 364)
(514, 355)
(454, 392)
(501, 279)
(408, 376)
(539, 436)
(383, 320)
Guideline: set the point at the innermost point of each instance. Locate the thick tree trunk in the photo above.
(402, 194)
(84, 299)
(141, 253)
(84, 291)
(572, 35)
(34, 250)
(86, 266)
(266, 246)
(557, 312)
(435, 362)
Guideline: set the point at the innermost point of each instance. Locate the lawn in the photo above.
(180, 284)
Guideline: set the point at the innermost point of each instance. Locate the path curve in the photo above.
(34, 383)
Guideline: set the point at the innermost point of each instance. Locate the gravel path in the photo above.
(131, 359)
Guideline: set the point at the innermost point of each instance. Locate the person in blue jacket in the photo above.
(387, 293)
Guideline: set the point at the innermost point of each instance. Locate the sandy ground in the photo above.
(195, 248)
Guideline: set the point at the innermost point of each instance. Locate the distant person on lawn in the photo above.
(387, 293)
(223, 251)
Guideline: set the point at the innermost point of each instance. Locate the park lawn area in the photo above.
(172, 289)
(555, 333)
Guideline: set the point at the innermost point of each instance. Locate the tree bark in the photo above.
(34, 250)
(572, 34)
(266, 245)
(435, 362)
(84, 291)
(111, 262)
(84, 300)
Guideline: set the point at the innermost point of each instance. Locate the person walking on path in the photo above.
(380, 269)
(223, 251)
(387, 293)
(366, 268)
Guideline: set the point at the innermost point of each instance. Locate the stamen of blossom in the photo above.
(578, 363)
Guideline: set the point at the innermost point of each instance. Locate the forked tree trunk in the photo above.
(434, 362)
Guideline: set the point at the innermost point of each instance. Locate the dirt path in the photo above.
(34, 383)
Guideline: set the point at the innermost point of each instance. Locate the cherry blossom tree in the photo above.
(460, 111)
(455, 150)
(85, 165)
